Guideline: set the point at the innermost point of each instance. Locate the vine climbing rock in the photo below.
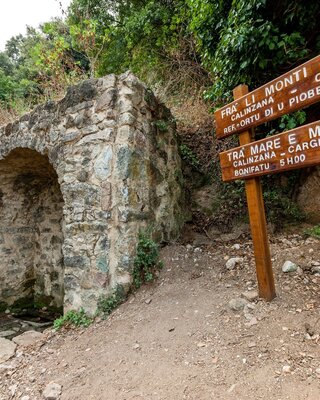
(79, 179)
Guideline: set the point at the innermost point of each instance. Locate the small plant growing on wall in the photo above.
(73, 318)
(188, 156)
(107, 304)
(161, 125)
(146, 263)
(146, 266)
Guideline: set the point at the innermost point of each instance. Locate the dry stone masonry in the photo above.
(78, 179)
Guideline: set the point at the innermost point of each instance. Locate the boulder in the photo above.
(29, 338)
(7, 349)
(52, 391)
(233, 262)
(289, 266)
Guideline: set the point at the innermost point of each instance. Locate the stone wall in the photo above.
(78, 180)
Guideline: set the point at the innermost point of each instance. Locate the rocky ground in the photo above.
(199, 333)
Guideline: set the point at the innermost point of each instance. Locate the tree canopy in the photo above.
(212, 43)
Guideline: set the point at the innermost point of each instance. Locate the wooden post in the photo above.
(257, 221)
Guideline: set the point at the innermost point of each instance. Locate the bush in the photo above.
(146, 263)
(73, 318)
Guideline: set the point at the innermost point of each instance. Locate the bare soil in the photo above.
(179, 339)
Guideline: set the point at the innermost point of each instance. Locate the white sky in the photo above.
(16, 14)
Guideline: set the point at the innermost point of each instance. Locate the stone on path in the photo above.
(289, 266)
(253, 321)
(7, 350)
(315, 270)
(233, 262)
(237, 304)
(286, 369)
(52, 391)
(29, 338)
(250, 295)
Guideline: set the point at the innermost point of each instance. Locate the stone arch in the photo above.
(31, 231)
(114, 151)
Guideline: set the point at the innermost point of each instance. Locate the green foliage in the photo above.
(251, 41)
(285, 123)
(291, 121)
(234, 192)
(162, 125)
(146, 262)
(73, 318)
(281, 208)
(87, 41)
(278, 196)
(6, 65)
(7, 86)
(107, 304)
(162, 41)
(233, 201)
(314, 231)
(39, 65)
(188, 156)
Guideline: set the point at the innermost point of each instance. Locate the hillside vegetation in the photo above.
(182, 44)
(191, 52)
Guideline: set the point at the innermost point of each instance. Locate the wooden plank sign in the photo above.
(293, 149)
(290, 92)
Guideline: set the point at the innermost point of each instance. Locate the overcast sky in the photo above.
(16, 14)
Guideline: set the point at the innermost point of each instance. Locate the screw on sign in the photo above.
(294, 149)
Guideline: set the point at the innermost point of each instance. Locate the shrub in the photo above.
(146, 263)
(75, 318)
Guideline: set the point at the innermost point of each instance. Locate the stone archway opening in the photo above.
(31, 232)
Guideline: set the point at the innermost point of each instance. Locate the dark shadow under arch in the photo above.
(31, 231)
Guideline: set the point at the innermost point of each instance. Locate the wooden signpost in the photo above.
(290, 92)
(294, 149)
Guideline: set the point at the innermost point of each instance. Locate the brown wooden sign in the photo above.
(290, 92)
(293, 149)
(297, 148)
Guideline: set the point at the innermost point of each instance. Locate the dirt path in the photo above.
(179, 339)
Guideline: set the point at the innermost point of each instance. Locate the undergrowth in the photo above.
(188, 156)
(73, 318)
(146, 262)
(314, 231)
(107, 304)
